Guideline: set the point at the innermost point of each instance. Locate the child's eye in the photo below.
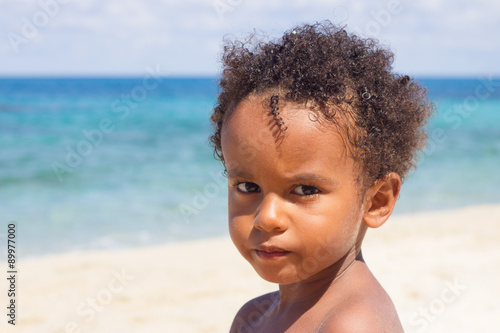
(247, 187)
(306, 190)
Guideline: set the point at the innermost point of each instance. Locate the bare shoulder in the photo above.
(363, 317)
(252, 314)
(368, 308)
(375, 314)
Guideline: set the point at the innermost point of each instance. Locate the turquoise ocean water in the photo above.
(112, 163)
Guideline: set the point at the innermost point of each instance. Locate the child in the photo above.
(316, 135)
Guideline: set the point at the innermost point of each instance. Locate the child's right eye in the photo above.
(247, 187)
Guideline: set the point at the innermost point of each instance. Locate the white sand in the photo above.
(441, 269)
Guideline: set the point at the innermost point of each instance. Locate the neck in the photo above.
(310, 290)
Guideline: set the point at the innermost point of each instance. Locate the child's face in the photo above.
(295, 207)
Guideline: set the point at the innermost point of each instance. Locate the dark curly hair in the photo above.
(338, 74)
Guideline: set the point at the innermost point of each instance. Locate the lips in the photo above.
(271, 252)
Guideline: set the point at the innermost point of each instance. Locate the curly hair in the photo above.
(338, 74)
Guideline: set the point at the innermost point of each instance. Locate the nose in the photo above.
(270, 215)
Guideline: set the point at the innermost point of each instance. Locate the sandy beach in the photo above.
(440, 268)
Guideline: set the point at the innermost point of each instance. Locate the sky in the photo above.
(430, 38)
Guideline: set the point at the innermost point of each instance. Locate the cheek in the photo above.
(336, 222)
(328, 213)
(235, 229)
(239, 216)
(239, 231)
(240, 206)
(239, 225)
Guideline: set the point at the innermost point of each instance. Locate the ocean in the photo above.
(98, 163)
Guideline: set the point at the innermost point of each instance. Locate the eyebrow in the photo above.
(312, 176)
(238, 173)
(296, 178)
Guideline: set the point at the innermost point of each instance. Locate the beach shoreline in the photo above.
(440, 268)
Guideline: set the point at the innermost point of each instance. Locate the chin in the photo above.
(277, 277)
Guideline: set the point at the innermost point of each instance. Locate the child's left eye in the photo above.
(247, 187)
(306, 190)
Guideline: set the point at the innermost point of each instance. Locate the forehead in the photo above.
(310, 141)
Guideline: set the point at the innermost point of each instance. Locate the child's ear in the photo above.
(380, 199)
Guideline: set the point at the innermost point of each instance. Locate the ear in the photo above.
(380, 199)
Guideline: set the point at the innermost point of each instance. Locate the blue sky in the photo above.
(183, 37)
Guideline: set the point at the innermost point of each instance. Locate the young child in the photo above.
(316, 135)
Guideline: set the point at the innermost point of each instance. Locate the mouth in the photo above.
(271, 252)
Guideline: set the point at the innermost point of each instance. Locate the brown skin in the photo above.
(298, 213)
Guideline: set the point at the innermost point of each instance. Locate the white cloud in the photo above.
(124, 36)
(431, 5)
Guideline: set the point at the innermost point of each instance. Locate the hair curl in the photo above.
(338, 73)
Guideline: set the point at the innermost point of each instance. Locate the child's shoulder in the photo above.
(359, 304)
(363, 315)
(251, 313)
(366, 308)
